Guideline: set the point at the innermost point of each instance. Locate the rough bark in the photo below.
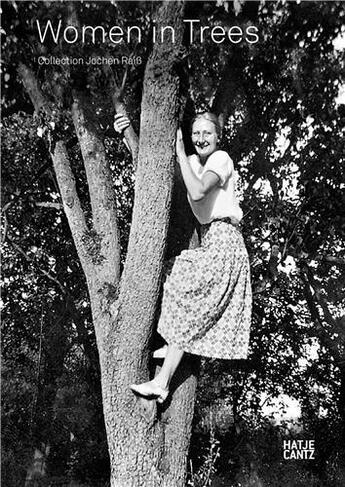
(106, 253)
(135, 435)
(177, 418)
(177, 423)
(71, 203)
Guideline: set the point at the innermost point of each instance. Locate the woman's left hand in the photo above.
(179, 143)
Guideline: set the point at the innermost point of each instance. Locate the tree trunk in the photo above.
(148, 447)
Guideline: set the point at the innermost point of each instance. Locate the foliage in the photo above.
(284, 130)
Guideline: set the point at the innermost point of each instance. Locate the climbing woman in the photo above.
(206, 305)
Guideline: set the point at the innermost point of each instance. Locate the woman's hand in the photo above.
(180, 150)
(121, 122)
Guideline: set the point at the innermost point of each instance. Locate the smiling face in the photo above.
(204, 137)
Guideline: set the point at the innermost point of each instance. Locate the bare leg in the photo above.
(171, 362)
(159, 387)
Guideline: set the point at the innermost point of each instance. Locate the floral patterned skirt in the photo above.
(207, 299)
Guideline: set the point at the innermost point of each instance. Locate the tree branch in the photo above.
(64, 174)
(102, 241)
(129, 133)
(32, 88)
(49, 204)
(331, 259)
(71, 204)
(117, 96)
(101, 190)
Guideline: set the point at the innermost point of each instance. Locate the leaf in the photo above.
(238, 6)
(40, 132)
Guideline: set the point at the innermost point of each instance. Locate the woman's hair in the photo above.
(211, 117)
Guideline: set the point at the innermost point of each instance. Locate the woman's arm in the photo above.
(121, 124)
(197, 189)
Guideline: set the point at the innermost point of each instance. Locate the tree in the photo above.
(137, 450)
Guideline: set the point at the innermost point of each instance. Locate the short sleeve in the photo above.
(221, 164)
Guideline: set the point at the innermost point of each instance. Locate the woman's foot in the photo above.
(160, 352)
(151, 390)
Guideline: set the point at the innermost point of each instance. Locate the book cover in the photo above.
(92, 212)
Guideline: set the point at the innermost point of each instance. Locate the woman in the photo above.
(206, 306)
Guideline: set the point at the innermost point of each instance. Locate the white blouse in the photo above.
(221, 201)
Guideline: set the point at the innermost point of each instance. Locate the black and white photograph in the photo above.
(173, 243)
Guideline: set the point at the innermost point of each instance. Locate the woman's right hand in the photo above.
(121, 122)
